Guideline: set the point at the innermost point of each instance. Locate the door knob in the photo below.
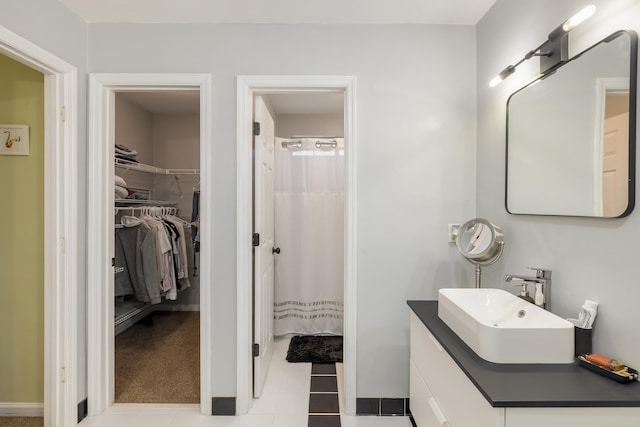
(275, 250)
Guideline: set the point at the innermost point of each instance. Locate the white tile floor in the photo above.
(284, 403)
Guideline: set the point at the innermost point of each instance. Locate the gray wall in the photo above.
(416, 127)
(176, 140)
(54, 28)
(590, 258)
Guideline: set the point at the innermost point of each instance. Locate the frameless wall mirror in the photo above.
(571, 135)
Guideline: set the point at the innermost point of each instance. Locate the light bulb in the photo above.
(495, 81)
(503, 75)
(578, 18)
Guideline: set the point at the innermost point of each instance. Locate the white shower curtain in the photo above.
(309, 229)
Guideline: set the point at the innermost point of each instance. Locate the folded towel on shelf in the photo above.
(121, 191)
(128, 159)
(138, 196)
(119, 181)
(125, 151)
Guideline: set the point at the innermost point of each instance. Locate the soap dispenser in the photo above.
(539, 296)
(524, 292)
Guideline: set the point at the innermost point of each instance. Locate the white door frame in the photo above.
(604, 86)
(100, 327)
(60, 226)
(248, 86)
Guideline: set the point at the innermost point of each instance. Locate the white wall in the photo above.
(51, 26)
(309, 124)
(416, 127)
(134, 129)
(590, 258)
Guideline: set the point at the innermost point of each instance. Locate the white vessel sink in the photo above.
(502, 328)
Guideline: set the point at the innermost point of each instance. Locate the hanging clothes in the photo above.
(153, 257)
(309, 228)
(195, 229)
(135, 263)
(181, 228)
(163, 256)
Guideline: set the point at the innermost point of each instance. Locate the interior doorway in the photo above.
(157, 196)
(299, 216)
(61, 255)
(165, 192)
(248, 89)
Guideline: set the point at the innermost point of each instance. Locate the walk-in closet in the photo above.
(156, 247)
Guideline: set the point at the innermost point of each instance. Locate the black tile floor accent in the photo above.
(324, 420)
(367, 406)
(392, 406)
(324, 384)
(82, 410)
(323, 369)
(223, 406)
(324, 405)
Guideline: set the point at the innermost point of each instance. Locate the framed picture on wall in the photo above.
(14, 140)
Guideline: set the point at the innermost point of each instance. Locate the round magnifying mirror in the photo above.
(481, 242)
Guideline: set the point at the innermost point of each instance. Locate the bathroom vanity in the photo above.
(451, 386)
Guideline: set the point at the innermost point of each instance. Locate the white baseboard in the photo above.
(15, 409)
(177, 307)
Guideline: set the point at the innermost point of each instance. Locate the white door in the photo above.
(264, 256)
(615, 177)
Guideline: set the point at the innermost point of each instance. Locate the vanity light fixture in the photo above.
(554, 50)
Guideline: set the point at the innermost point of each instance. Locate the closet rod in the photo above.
(165, 210)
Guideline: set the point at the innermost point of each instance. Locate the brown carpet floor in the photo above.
(21, 421)
(158, 359)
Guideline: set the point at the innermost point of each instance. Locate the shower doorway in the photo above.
(249, 89)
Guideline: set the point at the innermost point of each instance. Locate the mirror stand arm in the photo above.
(479, 265)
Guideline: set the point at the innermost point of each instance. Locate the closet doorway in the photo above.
(151, 145)
(156, 263)
(274, 203)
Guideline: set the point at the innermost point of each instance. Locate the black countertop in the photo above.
(528, 385)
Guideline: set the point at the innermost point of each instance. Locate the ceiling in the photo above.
(460, 12)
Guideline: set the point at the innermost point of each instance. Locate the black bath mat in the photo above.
(315, 349)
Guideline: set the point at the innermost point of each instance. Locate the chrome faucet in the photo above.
(542, 277)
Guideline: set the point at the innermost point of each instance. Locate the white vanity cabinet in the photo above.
(452, 399)
(441, 394)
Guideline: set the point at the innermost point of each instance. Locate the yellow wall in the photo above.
(22, 239)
